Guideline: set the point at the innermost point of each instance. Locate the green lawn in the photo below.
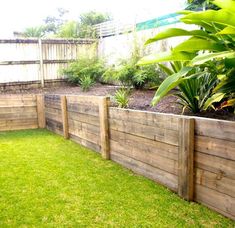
(48, 181)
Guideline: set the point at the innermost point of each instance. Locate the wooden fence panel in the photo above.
(18, 112)
(215, 165)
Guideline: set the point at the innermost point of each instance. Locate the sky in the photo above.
(16, 15)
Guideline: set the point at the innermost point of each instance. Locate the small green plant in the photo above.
(85, 66)
(86, 82)
(131, 75)
(121, 97)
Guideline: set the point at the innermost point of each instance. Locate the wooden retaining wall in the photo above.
(146, 143)
(215, 165)
(53, 113)
(83, 121)
(194, 157)
(19, 112)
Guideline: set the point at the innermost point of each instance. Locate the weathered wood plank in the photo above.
(41, 111)
(146, 157)
(86, 143)
(84, 134)
(20, 114)
(220, 166)
(186, 158)
(19, 127)
(64, 117)
(12, 122)
(215, 181)
(18, 124)
(53, 111)
(84, 126)
(104, 127)
(166, 121)
(54, 126)
(84, 109)
(18, 102)
(17, 96)
(17, 110)
(215, 147)
(219, 129)
(220, 202)
(53, 105)
(146, 170)
(54, 116)
(148, 145)
(75, 99)
(145, 131)
(85, 118)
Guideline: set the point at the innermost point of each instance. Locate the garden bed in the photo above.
(139, 99)
(48, 181)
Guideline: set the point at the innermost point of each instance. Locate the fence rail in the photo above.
(26, 60)
(194, 157)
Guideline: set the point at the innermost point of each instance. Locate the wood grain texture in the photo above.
(144, 156)
(186, 158)
(166, 121)
(218, 129)
(215, 181)
(64, 116)
(215, 164)
(93, 146)
(147, 145)
(18, 112)
(215, 147)
(104, 127)
(41, 111)
(220, 202)
(145, 131)
(158, 175)
(85, 118)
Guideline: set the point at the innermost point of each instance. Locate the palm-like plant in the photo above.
(216, 40)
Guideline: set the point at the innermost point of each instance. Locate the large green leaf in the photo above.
(225, 4)
(166, 69)
(202, 58)
(211, 16)
(227, 31)
(195, 44)
(169, 83)
(166, 56)
(174, 32)
(215, 98)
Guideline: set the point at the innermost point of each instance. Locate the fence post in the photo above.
(186, 158)
(41, 62)
(104, 127)
(41, 111)
(64, 116)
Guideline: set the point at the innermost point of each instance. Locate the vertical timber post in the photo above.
(64, 117)
(41, 62)
(104, 127)
(41, 111)
(186, 158)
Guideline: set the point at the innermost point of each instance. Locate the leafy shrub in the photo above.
(217, 40)
(121, 97)
(86, 82)
(89, 67)
(129, 74)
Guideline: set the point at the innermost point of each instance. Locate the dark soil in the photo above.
(139, 100)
